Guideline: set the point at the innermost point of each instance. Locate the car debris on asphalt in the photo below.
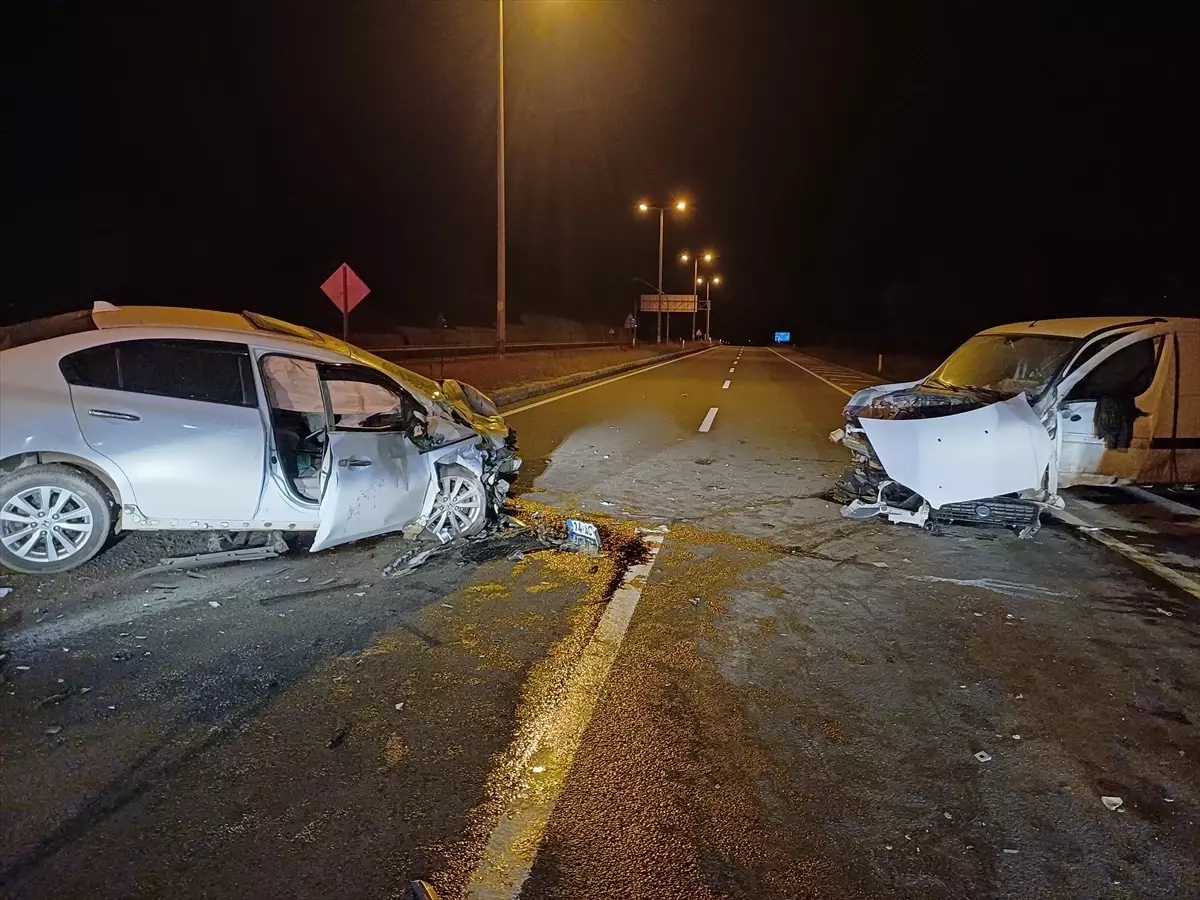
(983, 756)
(1112, 803)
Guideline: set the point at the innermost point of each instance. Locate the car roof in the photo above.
(1082, 327)
(185, 322)
(105, 316)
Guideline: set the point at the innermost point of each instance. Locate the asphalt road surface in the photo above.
(745, 695)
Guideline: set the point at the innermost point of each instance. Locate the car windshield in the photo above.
(1006, 363)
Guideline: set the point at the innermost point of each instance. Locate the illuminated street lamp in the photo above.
(695, 259)
(716, 279)
(644, 207)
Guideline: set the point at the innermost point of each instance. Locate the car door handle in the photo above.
(354, 463)
(109, 414)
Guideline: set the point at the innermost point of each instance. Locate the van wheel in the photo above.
(460, 508)
(52, 518)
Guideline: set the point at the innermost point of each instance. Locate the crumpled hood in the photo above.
(911, 400)
(987, 451)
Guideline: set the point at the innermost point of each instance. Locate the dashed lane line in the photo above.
(708, 419)
(725, 386)
(731, 368)
(539, 759)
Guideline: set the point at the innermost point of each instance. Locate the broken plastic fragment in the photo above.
(983, 756)
(1113, 803)
(213, 603)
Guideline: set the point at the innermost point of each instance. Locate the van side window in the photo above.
(1115, 385)
(207, 371)
(1127, 373)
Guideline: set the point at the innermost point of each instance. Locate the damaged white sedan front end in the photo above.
(1015, 414)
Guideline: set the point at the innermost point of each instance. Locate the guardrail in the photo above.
(449, 351)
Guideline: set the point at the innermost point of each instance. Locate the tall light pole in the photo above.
(695, 260)
(501, 248)
(678, 206)
(716, 279)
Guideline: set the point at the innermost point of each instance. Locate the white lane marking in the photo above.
(725, 386)
(1006, 588)
(1178, 579)
(708, 420)
(542, 752)
(731, 368)
(811, 372)
(596, 384)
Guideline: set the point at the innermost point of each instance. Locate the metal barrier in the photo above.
(450, 351)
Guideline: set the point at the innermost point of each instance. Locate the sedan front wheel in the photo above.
(52, 518)
(460, 508)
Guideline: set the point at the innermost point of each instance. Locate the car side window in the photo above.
(359, 398)
(93, 367)
(206, 371)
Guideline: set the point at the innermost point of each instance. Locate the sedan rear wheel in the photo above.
(460, 508)
(52, 518)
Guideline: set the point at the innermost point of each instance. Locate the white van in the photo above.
(1020, 411)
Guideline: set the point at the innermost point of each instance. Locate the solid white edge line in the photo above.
(725, 386)
(840, 390)
(708, 419)
(1166, 573)
(514, 843)
(601, 383)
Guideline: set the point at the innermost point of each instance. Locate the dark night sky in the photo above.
(872, 172)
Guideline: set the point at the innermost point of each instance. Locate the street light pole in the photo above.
(658, 327)
(644, 207)
(695, 291)
(716, 279)
(501, 248)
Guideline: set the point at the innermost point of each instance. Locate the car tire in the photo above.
(463, 487)
(85, 519)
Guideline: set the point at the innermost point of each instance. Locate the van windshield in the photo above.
(1006, 363)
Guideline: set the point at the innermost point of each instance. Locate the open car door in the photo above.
(1109, 403)
(375, 480)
